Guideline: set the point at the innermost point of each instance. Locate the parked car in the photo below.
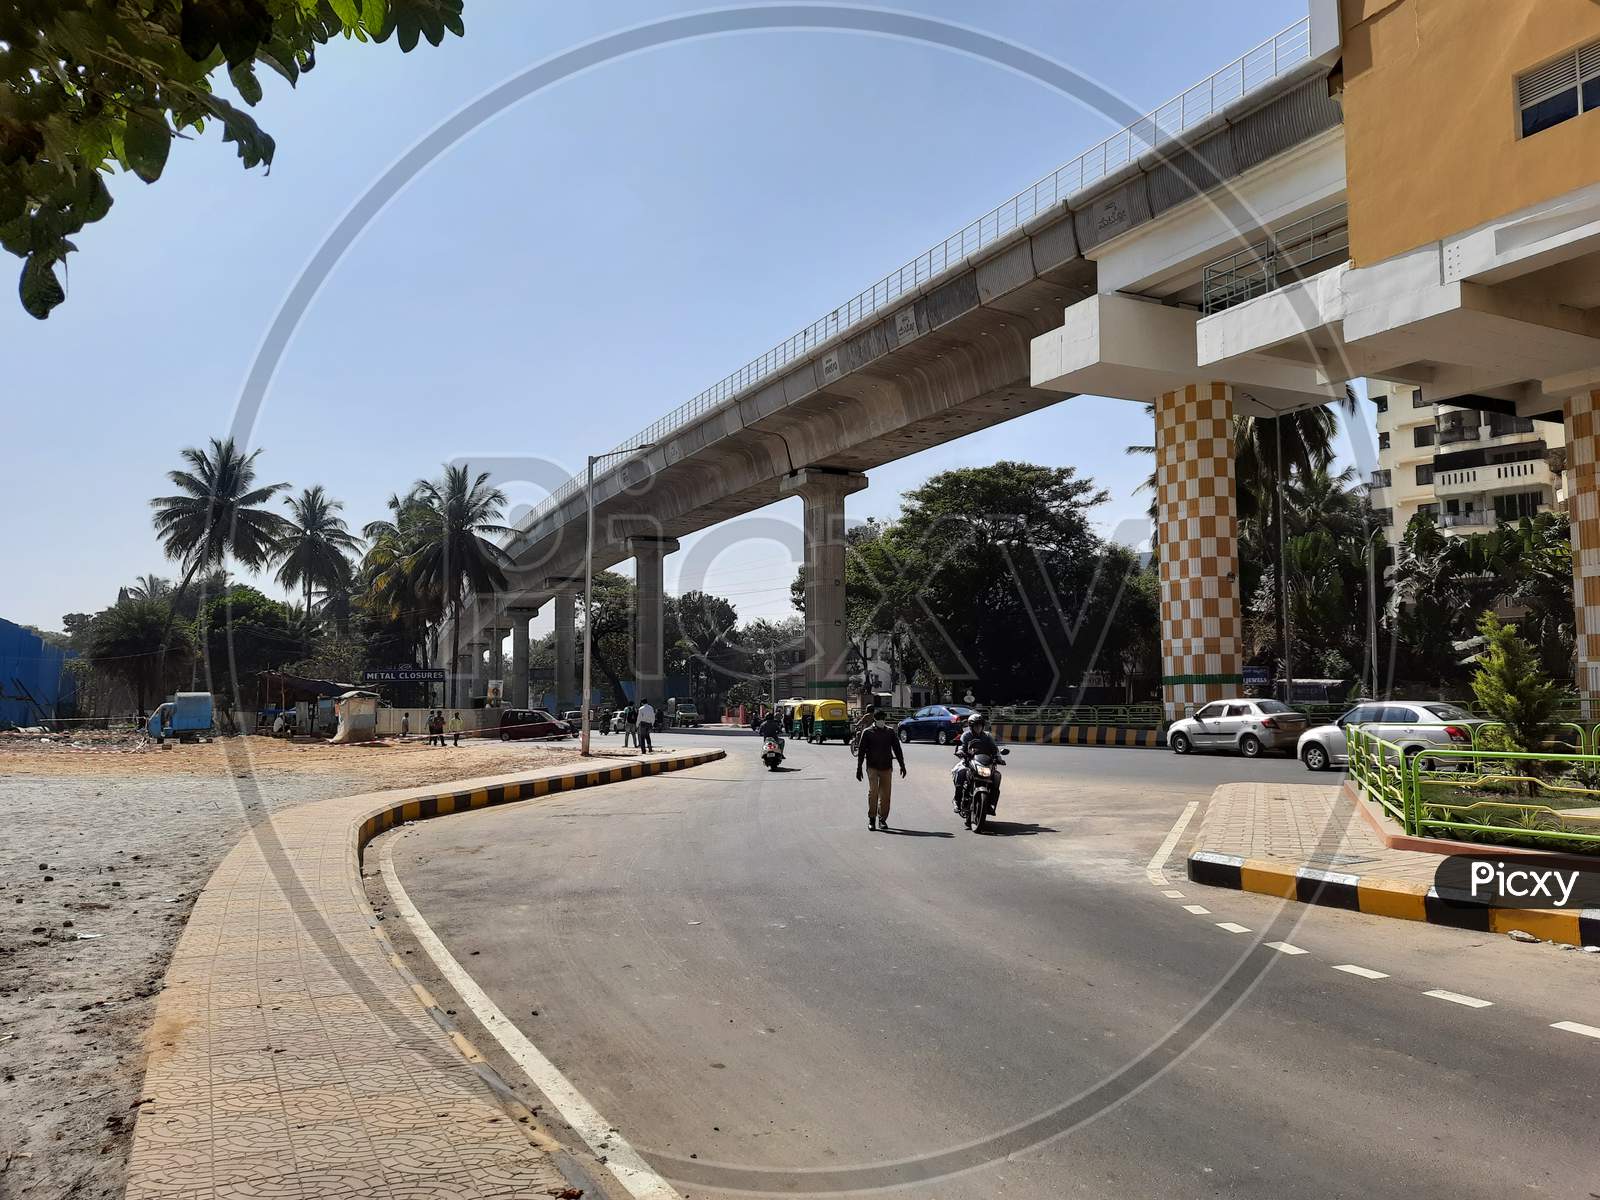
(1249, 727)
(1413, 725)
(617, 722)
(935, 723)
(573, 718)
(687, 715)
(518, 723)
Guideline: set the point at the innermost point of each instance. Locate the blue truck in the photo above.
(187, 717)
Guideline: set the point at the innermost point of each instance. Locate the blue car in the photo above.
(940, 723)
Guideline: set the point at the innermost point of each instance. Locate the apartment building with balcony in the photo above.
(1467, 468)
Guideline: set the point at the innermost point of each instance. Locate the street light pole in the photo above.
(588, 585)
(1372, 606)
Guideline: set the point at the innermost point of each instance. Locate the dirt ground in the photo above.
(105, 847)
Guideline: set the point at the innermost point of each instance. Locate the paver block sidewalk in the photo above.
(1312, 843)
(289, 1057)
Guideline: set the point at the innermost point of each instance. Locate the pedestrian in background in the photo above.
(878, 751)
(405, 725)
(647, 721)
(630, 726)
(455, 729)
(436, 728)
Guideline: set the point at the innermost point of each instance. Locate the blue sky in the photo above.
(570, 271)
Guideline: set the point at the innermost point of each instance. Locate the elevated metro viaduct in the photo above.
(1221, 272)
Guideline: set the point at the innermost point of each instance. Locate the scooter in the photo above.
(771, 753)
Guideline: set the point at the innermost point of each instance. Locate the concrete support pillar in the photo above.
(479, 677)
(517, 686)
(497, 655)
(827, 648)
(1198, 546)
(1583, 505)
(461, 693)
(649, 558)
(566, 652)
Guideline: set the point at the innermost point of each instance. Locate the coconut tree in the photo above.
(218, 513)
(453, 556)
(316, 547)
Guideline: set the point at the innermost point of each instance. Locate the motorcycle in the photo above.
(981, 794)
(771, 753)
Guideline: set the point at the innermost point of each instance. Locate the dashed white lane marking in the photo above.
(1363, 972)
(1231, 927)
(1284, 948)
(1173, 895)
(1153, 871)
(620, 1158)
(1458, 998)
(1198, 910)
(1575, 1027)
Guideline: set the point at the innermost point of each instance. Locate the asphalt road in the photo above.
(764, 997)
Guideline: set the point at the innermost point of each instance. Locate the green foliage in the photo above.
(126, 642)
(245, 632)
(315, 547)
(86, 85)
(1511, 688)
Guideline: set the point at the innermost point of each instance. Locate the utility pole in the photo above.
(1283, 568)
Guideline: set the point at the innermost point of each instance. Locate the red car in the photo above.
(531, 723)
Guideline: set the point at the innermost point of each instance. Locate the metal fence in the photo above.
(1494, 795)
(1145, 716)
(1256, 67)
(1297, 251)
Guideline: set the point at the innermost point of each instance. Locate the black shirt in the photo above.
(880, 748)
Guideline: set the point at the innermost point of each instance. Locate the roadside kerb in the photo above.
(1079, 735)
(292, 1053)
(1387, 898)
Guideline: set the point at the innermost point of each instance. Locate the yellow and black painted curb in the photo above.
(421, 808)
(1388, 898)
(1079, 735)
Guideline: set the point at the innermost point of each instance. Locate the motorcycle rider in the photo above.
(975, 739)
(772, 727)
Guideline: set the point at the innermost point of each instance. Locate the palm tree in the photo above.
(217, 514)
(391, 588)
(149, 587)
(453, 557)
(316, 546)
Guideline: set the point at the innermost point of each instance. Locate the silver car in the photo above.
(1247, 726)
(1413, 725)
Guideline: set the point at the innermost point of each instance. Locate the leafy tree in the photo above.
(453, 558)
(1511, 688)
(217, 514)
(245, 632)
(315, 546)
(88, 84)
(698, 628)
(131, 641)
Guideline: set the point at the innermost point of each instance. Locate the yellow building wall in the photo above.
(1431, 122)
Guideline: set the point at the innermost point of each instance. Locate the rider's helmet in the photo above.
(977, 720)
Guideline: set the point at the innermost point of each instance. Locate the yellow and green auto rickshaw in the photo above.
(789, 714)
(830, 719)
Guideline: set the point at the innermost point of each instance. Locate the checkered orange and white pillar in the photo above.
(1198, 544)
(1583, 505)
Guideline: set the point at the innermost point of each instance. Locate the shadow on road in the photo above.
(1016, 828)
(935, 833)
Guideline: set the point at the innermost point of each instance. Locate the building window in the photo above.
(1424, 474)
(1559, 90)
(1382, 403)
(1429, 510)
(1517, 505)
(1380, 479)
(1417, 401)
(1383, 439)
(1500, 425)
(1422, 435)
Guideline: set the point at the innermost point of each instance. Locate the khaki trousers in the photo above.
(880, 784)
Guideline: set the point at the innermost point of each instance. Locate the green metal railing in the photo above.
(1499, 796)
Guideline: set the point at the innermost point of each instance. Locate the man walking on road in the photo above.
(647, 721)
(630, 726)
(879, 750)
(455, 730)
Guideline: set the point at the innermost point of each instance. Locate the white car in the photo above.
(1246, 726)
(1413, 725)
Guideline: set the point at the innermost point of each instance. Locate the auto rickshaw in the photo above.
(789, 715)
(830, 719)
(802, 709)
